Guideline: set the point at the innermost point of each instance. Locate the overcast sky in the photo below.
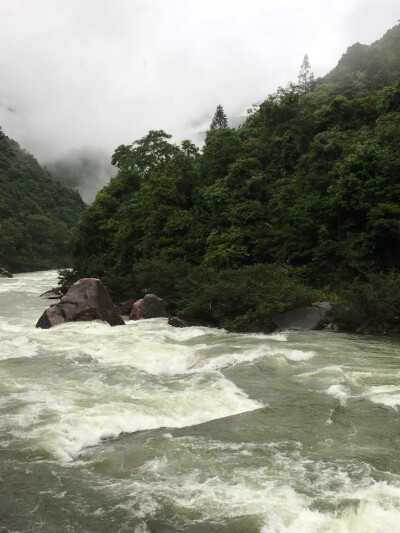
(97, 73)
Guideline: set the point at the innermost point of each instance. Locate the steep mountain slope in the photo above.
(36, 213)
(376, 66)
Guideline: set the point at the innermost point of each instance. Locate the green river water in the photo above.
(148, 428)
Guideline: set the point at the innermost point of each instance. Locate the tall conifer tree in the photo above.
(219, 120)
(306, 76)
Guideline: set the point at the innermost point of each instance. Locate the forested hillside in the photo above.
(36, 212)
(301, 202)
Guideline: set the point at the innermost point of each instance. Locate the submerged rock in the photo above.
(5, 273)
(52, 294)
(302, 318)
(87, 299)
(151, 306)
(177, 322)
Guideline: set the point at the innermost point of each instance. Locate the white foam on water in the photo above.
(298, 355)
(149, 356)
(63, 422)
(20, 346)
(344, 382)
(148, 348)
(277, 337)
(212, 499)
(389, 399)
(157, 354)
(264, 494)
(339, 392)
(378, 511)
(141, 528)
(30, 283)
(231, 358)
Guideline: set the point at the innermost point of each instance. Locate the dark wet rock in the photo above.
(87, 299)
(124, 308)
(326, 310)
(348, 318)
(63, 290)
(371, 327)
(301, 318)
(151, 306)
(5, 273)
(177, 322)
(51, 317)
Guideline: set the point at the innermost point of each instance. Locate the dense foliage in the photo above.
(36, 213)
(304, 197)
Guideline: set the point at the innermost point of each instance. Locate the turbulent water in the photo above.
(148, 428)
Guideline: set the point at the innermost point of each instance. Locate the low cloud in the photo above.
(78, 73)
(86, 170)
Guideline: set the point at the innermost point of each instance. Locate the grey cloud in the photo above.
(8, 108)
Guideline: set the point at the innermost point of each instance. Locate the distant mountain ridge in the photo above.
(377, 65)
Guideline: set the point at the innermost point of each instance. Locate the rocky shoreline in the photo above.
(89, 299)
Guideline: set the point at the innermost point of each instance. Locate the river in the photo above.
(147, 428)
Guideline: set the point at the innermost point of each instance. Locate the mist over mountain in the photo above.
(85, 170)
(73, 75)
(200, 126)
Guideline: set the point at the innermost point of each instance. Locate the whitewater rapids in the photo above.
(149, 428)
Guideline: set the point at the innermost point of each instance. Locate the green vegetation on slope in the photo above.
(301, 201)
(36, 213)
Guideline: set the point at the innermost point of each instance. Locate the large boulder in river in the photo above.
(87, 299)
(302, 318)
(151, 306)
(5, 273)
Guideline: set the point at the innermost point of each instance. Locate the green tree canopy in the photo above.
(303, 197)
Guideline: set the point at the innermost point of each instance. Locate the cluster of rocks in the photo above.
(88, 299)
(5, 273)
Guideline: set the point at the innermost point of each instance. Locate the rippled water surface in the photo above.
(150, 428)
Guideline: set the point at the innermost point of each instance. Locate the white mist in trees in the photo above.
(306, 76)
(219, 120)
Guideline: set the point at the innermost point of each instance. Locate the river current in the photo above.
(147, 428)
